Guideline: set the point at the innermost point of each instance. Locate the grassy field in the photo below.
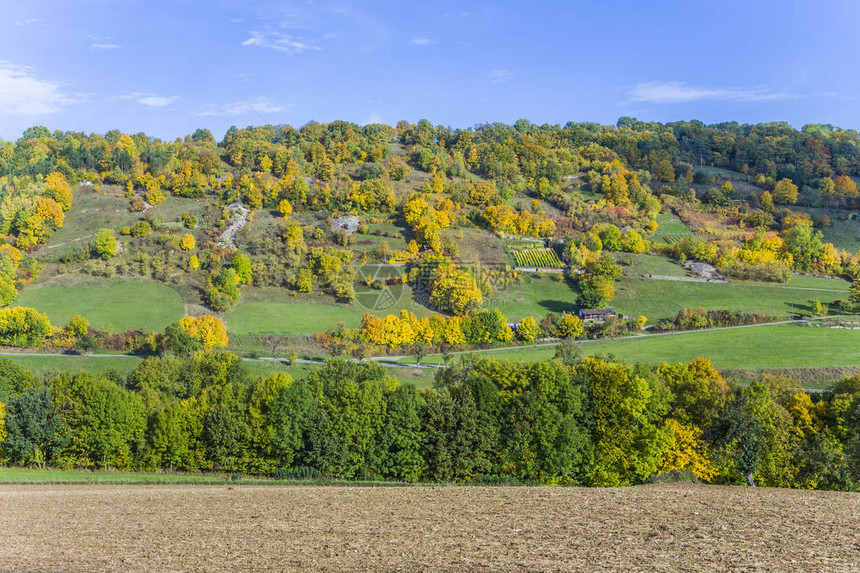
(308, 315)
(535, 295)
(677, 527)
(669, 223)
(721, 172)
(108, 208)
(844, 234)
(49, 365)
(91, 210)
(49, 476)
(761, 347)
(644, 265)
(290, 318)
(756, 348)
(538, 294)
(117, 303)
(658, 299)
(478, 247)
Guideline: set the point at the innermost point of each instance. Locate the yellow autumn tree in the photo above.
(785, 192)
(61, 189)
(51, 211)
(687, 452)
(187, 242)
(208, 330)
(501, 218)
(372, 329)
(3, 431)
(527, 329)
(11, 253)
(453, 332)
(570, 326)
(285, 208)
(454, 290)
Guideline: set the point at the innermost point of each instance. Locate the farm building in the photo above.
(596, 314)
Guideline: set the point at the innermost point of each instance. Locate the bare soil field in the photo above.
(671, 527)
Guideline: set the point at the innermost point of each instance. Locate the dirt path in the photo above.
(49, 247)
(238, 219)
(302, 528)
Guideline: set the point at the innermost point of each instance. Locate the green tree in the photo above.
(32, 425)
(854, 297)
(785, 192)
(242, 265)
(169, 439)
(766, 200)
(397, 450)
(289, 417)
(262, 450)
(352, 399)
(754, 430)
(541, 437)
(179, 341)
(457, 445)
(805, 245)
(699, 393)
(568, 352)
(623, 413)
(103, 424)
(8, 292)
(225, 426)
(163, 380)
(105, 244)
(14, 379)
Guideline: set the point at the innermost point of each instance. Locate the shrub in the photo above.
(22, 326)
(140, 229)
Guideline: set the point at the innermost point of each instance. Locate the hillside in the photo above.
(291, 236)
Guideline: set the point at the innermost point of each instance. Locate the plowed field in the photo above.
(298, 528)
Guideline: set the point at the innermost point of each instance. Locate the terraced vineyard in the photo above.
(537, 258)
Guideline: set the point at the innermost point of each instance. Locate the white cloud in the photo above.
(259, 106)
(150, 99)
(679, 92)
(500, 76)
(22, 93)
(373, 118)
(279, 41)
(423, 41)
(29, 22)
(105, 47)
(157, 101)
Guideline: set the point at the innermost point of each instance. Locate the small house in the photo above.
(595, 314)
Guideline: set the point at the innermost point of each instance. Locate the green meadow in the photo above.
(119, 304)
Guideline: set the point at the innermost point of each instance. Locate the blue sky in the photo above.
(167, 68)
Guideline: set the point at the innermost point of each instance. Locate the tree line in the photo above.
(569, 421)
